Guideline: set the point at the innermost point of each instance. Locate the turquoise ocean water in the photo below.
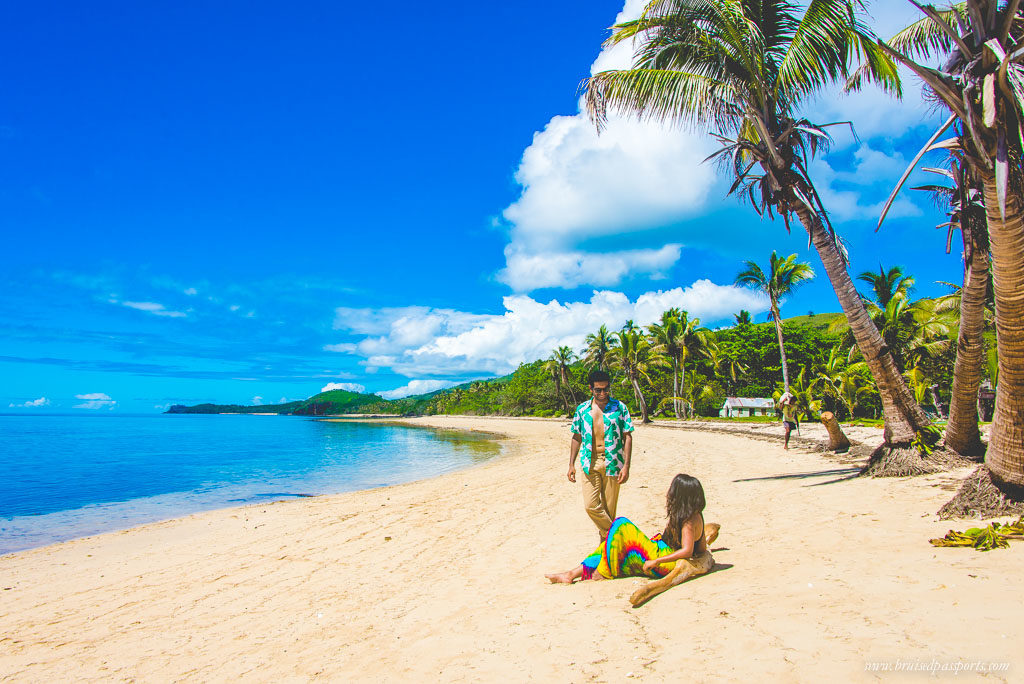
(72, 476)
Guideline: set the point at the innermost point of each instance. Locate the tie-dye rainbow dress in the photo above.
(624, 552)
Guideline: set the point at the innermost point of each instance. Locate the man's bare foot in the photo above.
(561, 577)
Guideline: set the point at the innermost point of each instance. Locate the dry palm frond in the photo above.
(994, 536)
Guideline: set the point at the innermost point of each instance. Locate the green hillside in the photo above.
(235, 408)
(326, 403)
(820, 321)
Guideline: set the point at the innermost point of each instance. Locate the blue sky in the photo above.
(247, 202)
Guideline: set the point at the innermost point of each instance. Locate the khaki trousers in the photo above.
(600, 495)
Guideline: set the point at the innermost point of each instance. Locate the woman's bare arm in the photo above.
(686, 537)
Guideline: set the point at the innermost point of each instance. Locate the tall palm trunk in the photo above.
(561, 395)
(904, 417)
(962, 434)
(1005, 455)
(782, 347)
(640, 398)
(682, 384)
(675, 386)
(568, 385)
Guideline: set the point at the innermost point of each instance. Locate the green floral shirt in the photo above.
(617, 424)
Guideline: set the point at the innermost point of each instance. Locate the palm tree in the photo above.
(743, 317)
(784, 276)
(696, 389)
(695, 340)
(744, 68)
(885, 284)
(635, 357)
(933, 325)
(558, 366)
(912, 329)
(668, 338)
(598, 346)
(847, 383)
(982, 85)
(967, 212)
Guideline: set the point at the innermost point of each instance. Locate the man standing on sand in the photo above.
(787, 402)
(602, 436)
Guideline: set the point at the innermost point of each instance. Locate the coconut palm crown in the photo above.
(784, 276)
(741, 69)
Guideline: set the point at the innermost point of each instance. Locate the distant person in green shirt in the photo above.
(602, 436)
(787, 402)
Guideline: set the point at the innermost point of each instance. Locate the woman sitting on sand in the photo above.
(628, 552)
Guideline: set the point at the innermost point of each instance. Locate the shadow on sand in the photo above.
(843, 473)
(718, 567)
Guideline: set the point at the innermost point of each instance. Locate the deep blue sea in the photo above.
(63, 477)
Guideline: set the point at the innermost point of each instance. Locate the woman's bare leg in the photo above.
(567, 577)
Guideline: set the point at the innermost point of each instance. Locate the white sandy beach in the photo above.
(820, 576)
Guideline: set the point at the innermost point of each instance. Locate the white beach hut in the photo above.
(742, 407)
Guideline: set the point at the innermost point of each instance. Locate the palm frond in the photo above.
(672, 96)
(925, 37)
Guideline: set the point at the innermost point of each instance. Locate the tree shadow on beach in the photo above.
(843, 473)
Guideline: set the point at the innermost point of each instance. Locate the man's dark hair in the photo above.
(598, 376)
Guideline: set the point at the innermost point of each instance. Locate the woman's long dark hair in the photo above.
(685, 497)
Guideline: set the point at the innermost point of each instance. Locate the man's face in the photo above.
(601, 390)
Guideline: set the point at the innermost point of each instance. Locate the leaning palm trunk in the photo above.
(640, 398)
(904, 417)
(962, 434)
(561, 394)
(675, 387)
(568, 385)
(1005, 455)
(782, 347)
(682, 385)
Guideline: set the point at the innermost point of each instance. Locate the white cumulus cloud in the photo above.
(578, 185)
(466, 343)
(347, 386)
(860, 191)
(34, 403)
(415, 387)
(527, 271)
(95, 400)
